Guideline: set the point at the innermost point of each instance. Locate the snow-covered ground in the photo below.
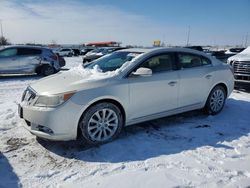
(187, 150)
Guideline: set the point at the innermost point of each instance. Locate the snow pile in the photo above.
(92, 74)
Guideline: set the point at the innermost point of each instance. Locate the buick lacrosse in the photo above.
(124, 88)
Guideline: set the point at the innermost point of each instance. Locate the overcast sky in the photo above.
(130, 22)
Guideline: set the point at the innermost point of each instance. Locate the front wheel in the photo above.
(101, 123)
(216, 100)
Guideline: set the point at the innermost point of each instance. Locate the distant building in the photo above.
(104, 44)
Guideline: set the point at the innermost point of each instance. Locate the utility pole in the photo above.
(1, 26)
(246, 41)
(188, 35)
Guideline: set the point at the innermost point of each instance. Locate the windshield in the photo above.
(113, 61)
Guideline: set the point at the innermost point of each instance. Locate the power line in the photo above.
(246, 41)
(188, 36)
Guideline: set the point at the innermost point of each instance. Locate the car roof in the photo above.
(27, 46)
(163, 49)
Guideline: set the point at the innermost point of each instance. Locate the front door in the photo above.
(158, 93)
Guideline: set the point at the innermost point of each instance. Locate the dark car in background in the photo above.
(84, 51)
(199, 48)
(28, 59)
(99, 52)
(65, 52)
(76, 51)
(223, 55)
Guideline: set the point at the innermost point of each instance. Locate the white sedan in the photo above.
(124, 88)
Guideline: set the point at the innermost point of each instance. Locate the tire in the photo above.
(47, 70)
(216, 100)
(101, 123)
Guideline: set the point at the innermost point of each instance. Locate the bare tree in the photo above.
(4, 41)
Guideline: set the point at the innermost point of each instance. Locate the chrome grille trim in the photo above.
(241, 67)
(29, 95)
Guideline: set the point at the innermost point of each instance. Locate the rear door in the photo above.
(155, 94)
(196, 78)
(29, 59)
(9, 61)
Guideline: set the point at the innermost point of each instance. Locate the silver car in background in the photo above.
(27, 60)
(124, 88)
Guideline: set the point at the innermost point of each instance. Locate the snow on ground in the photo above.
(187, 150)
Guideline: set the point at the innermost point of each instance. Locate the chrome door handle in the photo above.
(208, 76)
(173, 83)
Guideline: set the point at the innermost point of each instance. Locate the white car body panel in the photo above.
(190, 80)
(160, 97)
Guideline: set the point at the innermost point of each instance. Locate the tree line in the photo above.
(4, 41)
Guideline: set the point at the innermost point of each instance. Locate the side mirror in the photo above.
(143, 72)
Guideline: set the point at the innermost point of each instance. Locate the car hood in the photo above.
(72, 80)
(240, 57)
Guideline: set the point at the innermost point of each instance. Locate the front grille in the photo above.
(29, 95)
(243, 78)
(241, 67)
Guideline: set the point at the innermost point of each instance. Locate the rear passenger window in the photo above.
(191, 60)
(29, 51)
(160, 63)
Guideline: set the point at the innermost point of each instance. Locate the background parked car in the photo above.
(76, 51)
(234, 51)
(65, 52)
(28, 59)
(223, 55)
(241, 67)
(199, 48)
(99, 52)
(84, 51)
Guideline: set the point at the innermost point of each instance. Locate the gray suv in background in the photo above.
(27, 60)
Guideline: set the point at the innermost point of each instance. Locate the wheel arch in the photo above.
(108, 100)
(217, 84)
(221, 84)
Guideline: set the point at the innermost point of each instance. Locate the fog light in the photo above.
(44, 129)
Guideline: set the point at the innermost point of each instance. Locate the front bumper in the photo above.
(59, 123)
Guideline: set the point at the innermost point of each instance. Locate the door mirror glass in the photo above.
(143, 72)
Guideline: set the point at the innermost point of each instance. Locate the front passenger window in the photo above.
(158, 64)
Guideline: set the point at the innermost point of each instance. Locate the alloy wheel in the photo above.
(103, 125)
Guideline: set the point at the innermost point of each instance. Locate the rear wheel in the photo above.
(101, 123)
(216, 100)
(47, 70)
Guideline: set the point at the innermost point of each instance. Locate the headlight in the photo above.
(53, 100)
